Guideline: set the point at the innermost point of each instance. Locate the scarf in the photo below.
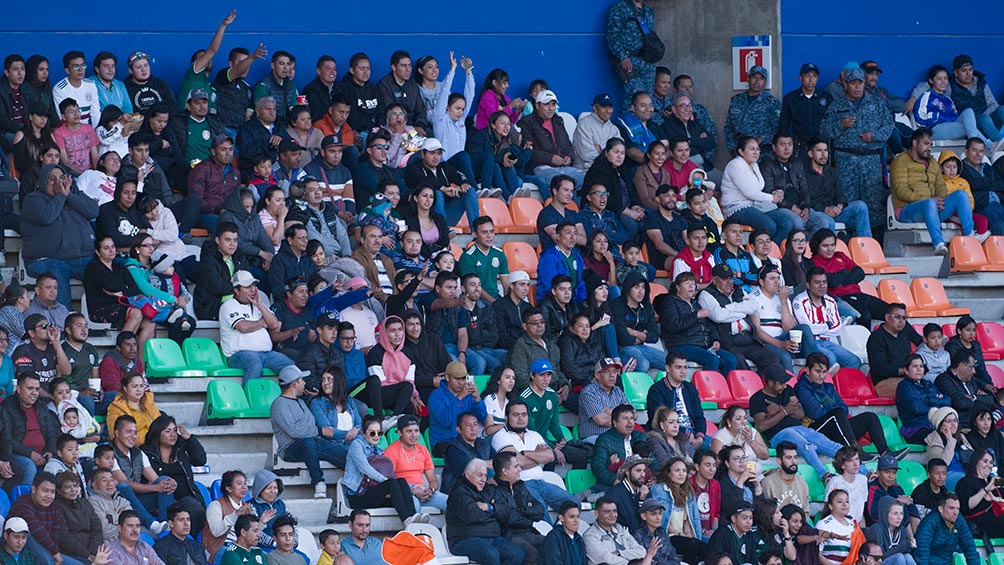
(700, 266)
(395, 363)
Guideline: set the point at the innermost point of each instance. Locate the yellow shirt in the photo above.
(144, 416)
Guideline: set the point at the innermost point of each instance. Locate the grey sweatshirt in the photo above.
(291, 420)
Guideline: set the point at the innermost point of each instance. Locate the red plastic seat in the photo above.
(895, 290)
(948, 330)
(991, 338)
(857, 389)
(712, 387)
(930, 295)
(996, 375)
(744, 385)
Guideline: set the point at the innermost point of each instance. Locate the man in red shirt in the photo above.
(29, 431)
(708, 492)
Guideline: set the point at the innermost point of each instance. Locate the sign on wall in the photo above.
(749, 51)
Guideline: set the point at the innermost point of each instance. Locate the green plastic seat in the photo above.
(163, 358)
(636, 385)
(260, 394)
(225, 399)
(817, 489)
(960, 559)
(481, 383)
(436, 461)
(565, 433)
(204, 353)
(575, 431)
(578, 480)
(392, 435)
(894, 438)
(266, 372)
(911, 474)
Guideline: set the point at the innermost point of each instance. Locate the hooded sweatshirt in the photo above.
(56, 226)
(389, 363)
(365, 99)
(892, 543)
(956, 183)
(251, 236)
(641, 318)
(261, 480)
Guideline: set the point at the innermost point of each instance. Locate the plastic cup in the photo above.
(795, 335)
(94, 384)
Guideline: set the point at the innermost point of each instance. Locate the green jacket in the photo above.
(26, 557)
(610, 443)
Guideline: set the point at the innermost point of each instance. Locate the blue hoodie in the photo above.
(444, 407)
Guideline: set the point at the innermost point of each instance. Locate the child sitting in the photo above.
(114, 129)
(104, 457)
(951, 166)
(85, 430)
(699, 179)
(261, 176)
(67, 458)
(331, 550)
(631, 252)
(933, 352)
(696, 212)
(695, 258)
(165, 279)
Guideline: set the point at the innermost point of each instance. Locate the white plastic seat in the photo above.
(894, 224)
(22, 273)
(854, 338)
(570, 123)
(438, 543)
(90, 324)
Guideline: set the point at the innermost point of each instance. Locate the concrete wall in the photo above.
(698, 37)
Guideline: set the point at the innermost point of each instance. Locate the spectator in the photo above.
(683, 328)
(509, 308)
(950, 166)
(580, 349)
(516, 507)
(395, 371)
(826, 194)
(163, 147)
(285, 542)
(304, 137)
(784, 485)
(948, 444)
(337, 416)
(120, 219)
(944, 534)
(415, 468)
(475, 528)
(83, 361)
(498, 157)
(172, 452)
(674, 490)
(134, 400)
(732, 254)
(429, 223)
(178, 548)
(634, 321)
(888, 347)
(627, 491)
(984, 182)
(483, 352)
(27, 448)
(734, 429)
(455, 395)
(984, 435)
(965, 340)
(40, 354)
(32, 135)
(562, 189)
(398, 87)
(191, 125)
(76, 139)
(770, 531)
(668, 439)
(55, 226)
(803, 109)
(426, 350)
(637, 129)
(598, 400)
(959, 385)
(244, 336)
(466, 445)
(915, 397)
(489, 263)
(323, 222)
(259, 135)
(781, 172)
(291, 262)
(136, 477)
(146, 90)
(564, 544)
(927, 493)
(859, 125)
(696, 258)
(454, 194)
(607, 204)
(82, 536)
(222, 513)
(278, 85)
(839, 523)
(552, 152)
(819, 314)
(212, 181)
(738, 479)
(773, 321)
(743, 196)
(108, 503)
(936, 111)
(557, 307)
(850, 480)
(843, 276)
(494, 99)
(594, 131)
(532, 345)
(496, 396)
(46, 519)
(664, 229)
(378, 267)
(253, 240)
(374, 168)
(977, 492)
(729, 309)
(562, 259)
(245, 548)
(735, 539)
(615, 444)
(607, 541)
(681, 124)
(328, 166)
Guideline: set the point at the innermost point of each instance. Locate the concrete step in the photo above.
(912, 243)
(188, 414)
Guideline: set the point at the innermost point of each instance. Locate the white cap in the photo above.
(545, 96)
(518, 276)
(242, 278)
(16, 525)
(432, 144)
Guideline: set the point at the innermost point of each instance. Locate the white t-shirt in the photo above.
(232, 340)
(365, 322)
(495, 408)
(531, 439)
(725, 436)
(86, 96)
(770, 312)
(834, 549)
(144, 459)
(857, 493)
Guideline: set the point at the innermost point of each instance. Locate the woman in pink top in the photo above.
(493, 99)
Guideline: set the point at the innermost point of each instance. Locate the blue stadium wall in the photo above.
(905, 38)
(562, 40)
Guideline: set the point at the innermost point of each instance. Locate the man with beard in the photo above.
(784, 484)
(630, 490)
(664, 230)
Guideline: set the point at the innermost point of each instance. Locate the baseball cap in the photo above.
(856, 73)
(242, 278)
(331, 140)
(407, 420)
(664, 188)
(808, 68)
(740, 506)
(541, 366)
(432, 144)
(871, 67)
(767, 269)
(290, 373)
(961, 60)
(603, 100)
(288, 145)
(650, 504)
(31, 321)
(887, 462)
(545, 96)
(136, 56)
(721, 271)
(607, 362)
(197, 94)
(161, 262)
(456, 369)
(357, 282)
(220, 138)
(16, 525)
(518, 276)
(328, 320)
(293, 283)
(757, 70)
(850, 65)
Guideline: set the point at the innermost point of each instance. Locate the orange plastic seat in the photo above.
(463, 226)
(857, 389)
(712, 387)
(524, 212)
(993, 248)
(532, 297)
(996, 375)
(842, 247)
(521, 256)
(868, 288)
(656, 289)
(659, 273)
(991, 338)
(198, 232)
(774, 252)
(744, 384)
(966, 255)
(498, 212)
(868, 254)
(930, 295)
(456, 250)
(895, 290)
(571, 205)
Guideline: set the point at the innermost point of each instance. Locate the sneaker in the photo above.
(389, 423)
(158, 528)
(868, 457)
(522, 192)
(186, 325)
(422, 518)
(941, 249)
(848, 320)
(483, 192)
(409, 520)
(833, 369)
(494, 192)
(321, 490)
(980, 237)
(900, 454)
(175, 314)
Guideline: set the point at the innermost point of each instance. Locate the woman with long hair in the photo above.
(599, 293)
(985, 435)
(666, 440)
(495, 153)
(134, 399)
(734, 429)
(793, 262)
(107, 286)
(599, 257)
(272, 212)
(915, 397)
(99, 182)
(771, 529)
(425, 220)
(808, 540)
(608, 169)
(336, 414)
(36, 75)
(28, 140)
(840, 525)
(141, 267)
(173, 451)
(979, 492)
(651, 175)
(496, 398)
(743, 197)
(682, 519)
(965, 340)
(222, 513)
(494, 99)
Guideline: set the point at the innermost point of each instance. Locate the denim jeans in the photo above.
(807, 347)
(808, 442)
(438, 500)
(489, 551)
(797, 223)
(64, 270)
(208, 222)
(994, 213)
(313, 450)
(900, 559)
(484, 361)
(146, 517)
(608, 334)
(451, 348)
(990, 124)
(549, 495)
(722, 361)
(646, 356)
(27, 467)
(462, 161)
(253, 362)
(776, 222)
(45, 557)
(837, 353)
(962, 128)
(547, 172)
(854, 215)
(453, 208)
(493, 175)
(956, 203)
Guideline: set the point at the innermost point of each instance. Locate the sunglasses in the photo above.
(42, 326)
(376, 433)
(381, 146)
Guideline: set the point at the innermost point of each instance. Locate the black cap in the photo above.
(328, 320)
(407, 420)
(603, 100)
(331, 140)
(288, 145)
(38, 109)
(775, 372)
(220, 138)
(740, 506)
(664, 188)
(961, 60)
(722, 271)
(871, 67)
(30, 322)
(767, 269)
(808, 68)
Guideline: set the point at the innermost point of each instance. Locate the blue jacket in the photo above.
(659, 492)
(253, 141)
(914, 399)
(326, 416)
(819, 399)
(355, 367)
(357, 465)
(551, 264)
(286, 265)
(937, 542)
(660, 394)
(444, 407)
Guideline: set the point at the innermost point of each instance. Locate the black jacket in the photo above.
(286, 265)
(982, 184)
(81, 528)
(458, 454)
(430, 358)
(463, 516)
(515, 508)
(408, 95)
(189, 452)
(365, 103)
(14, 426)
(789, 177)
(145, 96)
(680, 324)
(214, 280)
(546, 146)
(641, 318)
(28, 96)
(444, 230)
(253, 141)
(179, 126)
(952, 386)
(602, 172)
(445, 175)
(174, 551)
(825, 189)
(559, 548)
(482, 333)
(318, 98)
(627, 506)
(556, 319)
(672, 128)
(120, 225)
(578, 358)
(317, 357)
(251, 236)
(508, 316)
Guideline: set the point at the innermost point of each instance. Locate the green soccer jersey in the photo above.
(487, 266)
(543, 413)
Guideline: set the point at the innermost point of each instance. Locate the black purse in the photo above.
(652, 48)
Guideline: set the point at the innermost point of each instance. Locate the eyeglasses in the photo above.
(72, 111)
(600, 194)
(799, 240)
(397, 114)
(347, 338)
(380, 146)
(375, 433)
(740, 458)
(78, 67)
(951, 420)
(536, 323)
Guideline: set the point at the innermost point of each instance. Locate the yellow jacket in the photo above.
(913, 181)
(144, 416)
(957, 183)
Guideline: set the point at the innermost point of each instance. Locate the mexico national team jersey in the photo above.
(770, 312)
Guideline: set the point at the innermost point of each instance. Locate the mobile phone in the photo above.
(470, 379)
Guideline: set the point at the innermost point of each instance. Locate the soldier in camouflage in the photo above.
(623, 42)
(753, 113)
(859, 125)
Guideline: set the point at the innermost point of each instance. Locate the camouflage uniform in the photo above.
(754, 116)
(704, 118)
(624, 39)
(860, 163)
